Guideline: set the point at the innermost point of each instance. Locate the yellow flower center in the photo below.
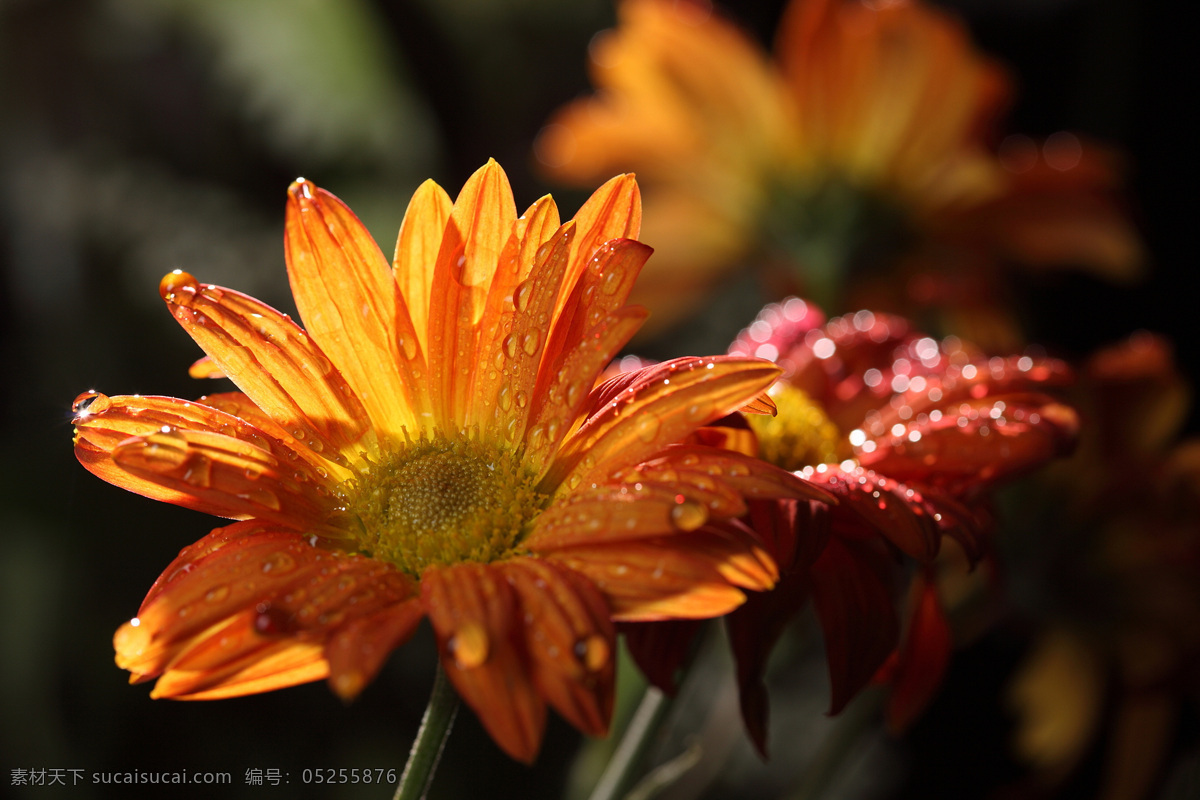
(799, 435)
(443, 501)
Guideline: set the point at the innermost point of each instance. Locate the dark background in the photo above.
(137, 136)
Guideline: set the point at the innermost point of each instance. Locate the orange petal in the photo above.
(358, 650)
(346, 295)
(227, 613)
(205, 368)
(473, 611)
(271, 359)
(652, 580)
(659, 406)
(614, 211)
(560, 406)
(534, 228)
(236, 404)
(166, 449)
(478, 227)
(518, 354)
(570, 641)
(226, 572)
(277, 666)
(417, 247)
(624, 510)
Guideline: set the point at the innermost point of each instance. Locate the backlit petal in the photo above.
(346, 295)
(660, 406)
(271, 359)
(645, 581)
(417, 246)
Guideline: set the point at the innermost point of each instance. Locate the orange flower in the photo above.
(908, 434)
(862, 145)
(430, 444)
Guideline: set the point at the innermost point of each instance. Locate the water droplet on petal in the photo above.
(261, 497)
(593, 652)
(647, 428)
(178, 287)
(688, 515)
(468, 646)
(90, 402)
(530, 342)
(217, 593)
(279, 563)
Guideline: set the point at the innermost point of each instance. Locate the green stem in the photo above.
(431, 738)
(619, 773)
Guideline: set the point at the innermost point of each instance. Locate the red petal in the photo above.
(886, 507)
(660, 649)
(982, 442)
(852, 595)
(923, 658)
(753, 631)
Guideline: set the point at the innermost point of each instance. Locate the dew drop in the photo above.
(279, 563)
(510, 345)
(530, 342)
(198, 472)
(217, 593)
(270, 620)
(524, 290)
(468, 646)
(261, 497)
(688, 515)
(647, 428)
(593, 652)
(178, 287)
(522, 399)
(90, 402)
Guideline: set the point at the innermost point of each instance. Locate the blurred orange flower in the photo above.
(909, 434)
(863, 144)
(1116, 590)
(430, 444)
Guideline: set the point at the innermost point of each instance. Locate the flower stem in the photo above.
(431, 738)
(619, 773)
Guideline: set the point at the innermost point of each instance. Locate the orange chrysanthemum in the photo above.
(863, 143)
(431, 444)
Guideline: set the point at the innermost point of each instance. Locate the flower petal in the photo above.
(652, 580)
(244, 593)
(346, 295)
(521, 255)
(473, 610)
(614, 211)
(885, 507)
(754, 629)
(358, 650)
(478, 228)
(271, 359)
(569, 639)
(417, 247)
(923, 657)
(984, 441)
(168, 449)
(600, 292)
(661, 649)
(852, 595)
(659, 406)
